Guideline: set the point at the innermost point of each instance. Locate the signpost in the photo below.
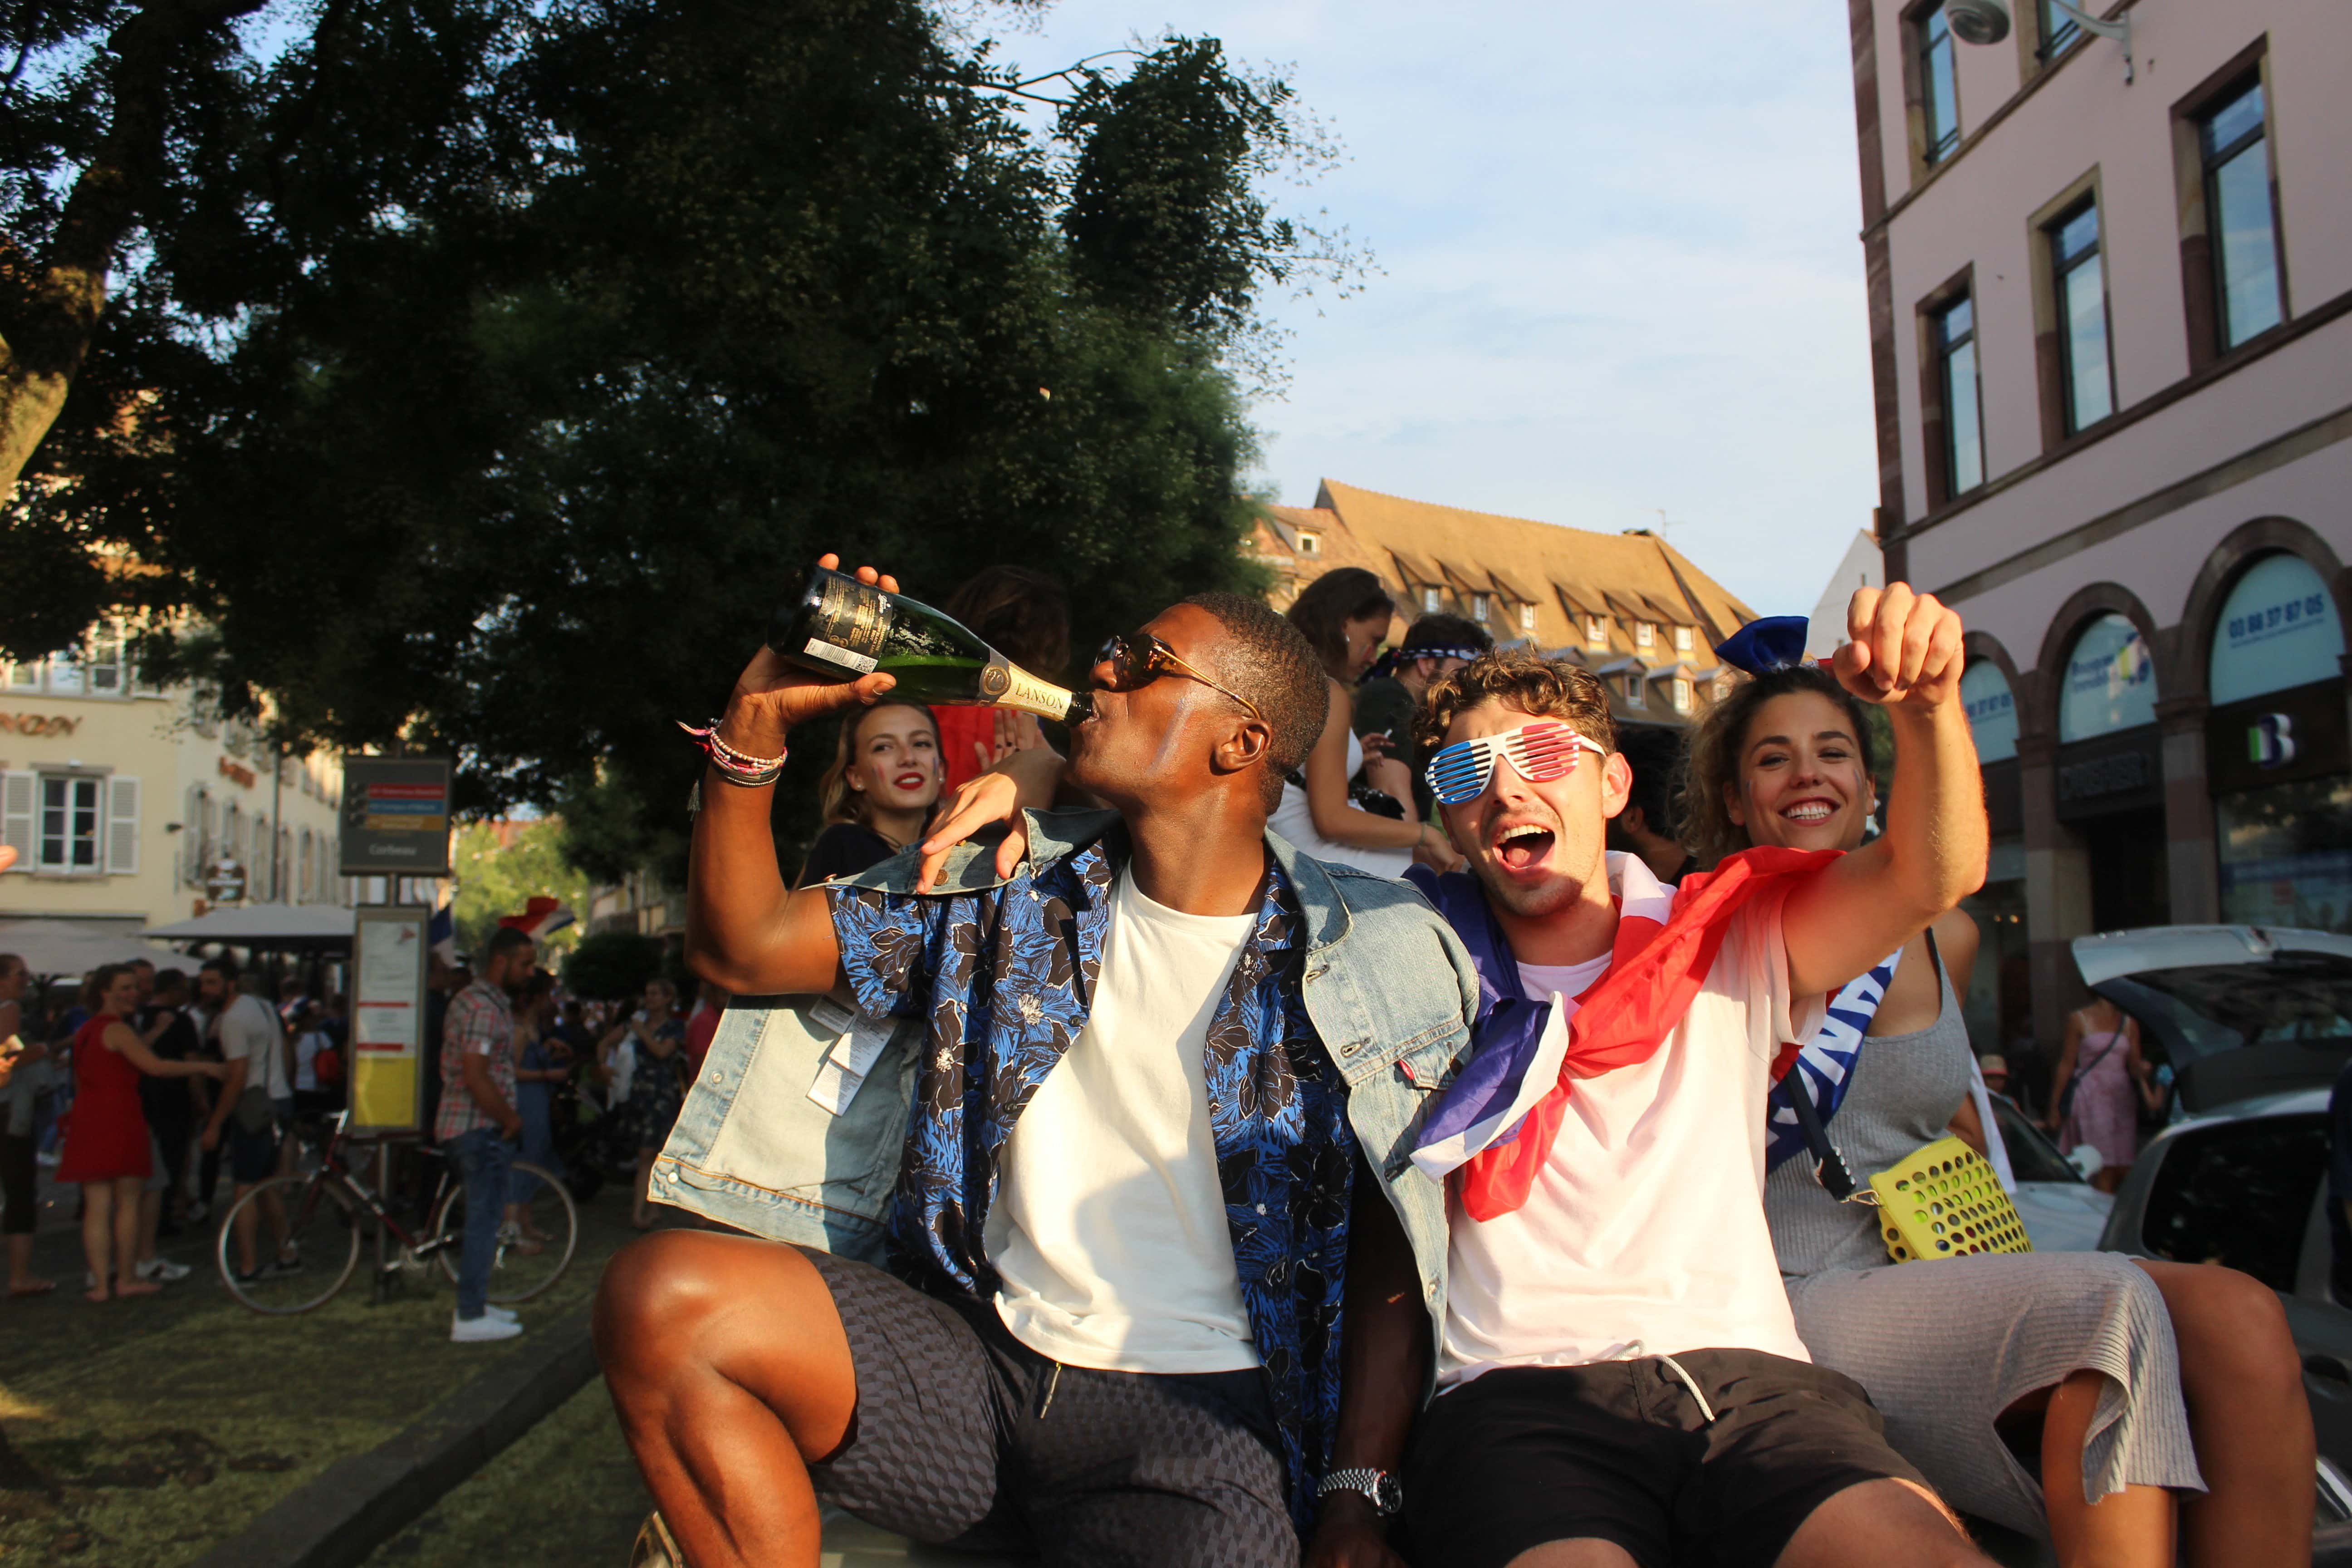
(387, 1057)
(395, 817)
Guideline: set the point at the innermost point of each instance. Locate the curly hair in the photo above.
(1712, 764)
(1528, 683)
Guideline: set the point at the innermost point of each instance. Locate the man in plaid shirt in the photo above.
(477, 1122)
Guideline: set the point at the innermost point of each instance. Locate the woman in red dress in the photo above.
(106, 1134)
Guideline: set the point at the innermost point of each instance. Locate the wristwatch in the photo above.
(1385, 1492)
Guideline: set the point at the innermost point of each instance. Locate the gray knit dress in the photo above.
(1945, 1345)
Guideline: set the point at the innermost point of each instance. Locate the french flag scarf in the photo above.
(1824, 1064)
(1497, 1121)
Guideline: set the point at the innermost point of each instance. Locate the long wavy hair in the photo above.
(1711, 767)
(839, 802)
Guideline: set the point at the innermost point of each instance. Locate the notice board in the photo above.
(395, 817)
(387, 1056)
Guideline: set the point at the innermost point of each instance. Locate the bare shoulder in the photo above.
(1957, 936)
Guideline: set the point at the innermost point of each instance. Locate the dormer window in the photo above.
(1429, 601)
(1683, 639)
(1526, 618)
(1634, 697)
(1682, 695)
(1645, 634)
(1480, 606)
(1309, 543)
(1596, 632)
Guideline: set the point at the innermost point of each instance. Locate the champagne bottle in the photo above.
(841, 629)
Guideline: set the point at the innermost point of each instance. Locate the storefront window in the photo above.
(2110, 681)
(2278, 630)
(1992, 710)
(2287, 854)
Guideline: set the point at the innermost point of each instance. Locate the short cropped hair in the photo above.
(506, 939)
(1528, 683)
(169, 979)
(1263, 657)
(223, 967)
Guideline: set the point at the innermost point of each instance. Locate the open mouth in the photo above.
(1809, 813)
(1522, 846)
(910, 781)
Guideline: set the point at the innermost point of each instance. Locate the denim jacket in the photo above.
(1387, 984)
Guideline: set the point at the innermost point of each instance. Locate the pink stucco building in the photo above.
(2111, 320)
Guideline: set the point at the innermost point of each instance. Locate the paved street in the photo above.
(156, 1428)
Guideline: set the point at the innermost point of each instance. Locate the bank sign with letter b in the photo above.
(395, 817)
(2270, 741)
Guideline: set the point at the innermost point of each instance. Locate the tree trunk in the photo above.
(51, 308)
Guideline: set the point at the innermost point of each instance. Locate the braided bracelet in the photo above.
(751, 772)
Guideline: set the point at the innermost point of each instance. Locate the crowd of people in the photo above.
(1362, 1116)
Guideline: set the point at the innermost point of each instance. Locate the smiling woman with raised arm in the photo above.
(1123, 1104)
(2067, 1358)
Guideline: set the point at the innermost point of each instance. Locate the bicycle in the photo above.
(325, 1214)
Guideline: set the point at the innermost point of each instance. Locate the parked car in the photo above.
(2257, 1025)
(2061, 1211)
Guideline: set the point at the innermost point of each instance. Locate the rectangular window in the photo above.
(1526, 618)
(105, 667)
(1429, 601)
(2244, 227)
(1682, 695)
(1954, 328)
(1683, 640)
(69, 824)
(1596, 632)
(1634, 695)
(25, 676)
(1309, 543)
(1939, 99)
(2058, 32)
(2078, 276)
(1480, 604)
(65, 674)
(1645, 634)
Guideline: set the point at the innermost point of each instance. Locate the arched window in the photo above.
(2109, 681)
(2277, 630)
(1992, 710)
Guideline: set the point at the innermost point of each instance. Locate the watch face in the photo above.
(1388, 1495)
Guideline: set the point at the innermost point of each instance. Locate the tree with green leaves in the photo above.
(483, 375)
(500, 867)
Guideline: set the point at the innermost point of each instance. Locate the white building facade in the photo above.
(2111, 316)
(121, 799)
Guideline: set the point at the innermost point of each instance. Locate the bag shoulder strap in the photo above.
(1829, 1166)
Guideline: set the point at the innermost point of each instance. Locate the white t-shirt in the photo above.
(1647, 1223)
(1108, 1228)
(249, 1032)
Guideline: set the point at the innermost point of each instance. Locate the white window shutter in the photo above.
(18, 793)
(121, 826)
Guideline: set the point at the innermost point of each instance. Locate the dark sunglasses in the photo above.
(1138, 658)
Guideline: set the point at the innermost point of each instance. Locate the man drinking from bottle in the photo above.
(1123, 1106)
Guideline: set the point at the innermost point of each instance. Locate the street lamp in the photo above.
(1986, 22)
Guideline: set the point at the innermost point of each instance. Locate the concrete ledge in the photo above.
(358, 1503)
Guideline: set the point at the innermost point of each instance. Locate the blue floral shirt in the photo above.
(1004, 977)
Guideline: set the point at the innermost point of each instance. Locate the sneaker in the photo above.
(503, 1314)
(162, 1270)
(481, 1330)
(284, 1266)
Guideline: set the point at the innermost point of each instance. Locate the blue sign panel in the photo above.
(2278, 630)
(2110, 681)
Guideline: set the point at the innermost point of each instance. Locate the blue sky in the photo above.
(1620, 270)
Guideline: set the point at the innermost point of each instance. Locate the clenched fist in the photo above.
(1906, 651)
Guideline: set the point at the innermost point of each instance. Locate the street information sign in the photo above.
(395, 817)
(388, 1019)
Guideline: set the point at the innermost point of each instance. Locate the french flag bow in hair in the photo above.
(541, 918)
(1766, 644)
(1497, 1121)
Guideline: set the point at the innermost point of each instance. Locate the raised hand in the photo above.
(771, 696)
(1906, 651)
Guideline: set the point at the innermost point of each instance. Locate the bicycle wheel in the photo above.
(321, 1244)
(523, 1266)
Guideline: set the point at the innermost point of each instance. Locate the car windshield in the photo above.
(2032, 1156)
(2294, 998)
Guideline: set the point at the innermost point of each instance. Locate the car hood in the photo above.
(2110, 955)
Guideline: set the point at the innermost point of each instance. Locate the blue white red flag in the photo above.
(1824, 1064)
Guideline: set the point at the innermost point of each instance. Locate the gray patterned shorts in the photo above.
(965, 1437)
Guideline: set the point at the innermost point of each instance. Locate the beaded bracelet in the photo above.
(751, 773)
